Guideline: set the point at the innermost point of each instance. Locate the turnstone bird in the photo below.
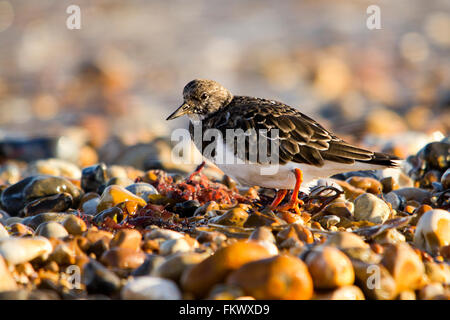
(305, 149)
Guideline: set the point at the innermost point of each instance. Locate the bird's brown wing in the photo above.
(300, 139)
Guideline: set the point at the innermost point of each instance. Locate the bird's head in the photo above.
(201, 98)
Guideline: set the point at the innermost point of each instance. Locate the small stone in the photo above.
(90, 207)
(340, 208)
(342, 293)
(113, 195)
(445, 179)
(430, 291)
(123, 258)
(404, 265)
(174, 266)
(120, 181)
(417, 194)
(149, 267)
(209, 206)
(397, 202)
(330, 268)
(371, 208)
(99, 279)
(15, 197)
(20, 230)
(93, 177)
(407, 295)
(433, 231)
(437, 272)
(280, 277)
(263, 234)
(200, 278)
(21, 250)
(7, 282)
(93, 235)
(297, 232)
(329, 221)
(174, 245)
(143, 190)
(211, 237)
(35, 221)
(56, 203)
(12, 220)
(74, 225)
(150, 288)
(389, 184)
(187, 208)
(367, 184)
(234, 217)
(375, 280)
(3, 232)
(346, 240)
(390, 236)
(163, 234)
(115, 213)
(127, 238)
(51, 230)
(54, 167)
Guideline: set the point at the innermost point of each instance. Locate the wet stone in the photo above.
(445, 179)
(114, 213)
(51, 230)
(15, 197)
(367, 184)
(233, 217)
(99, 279)
(74, 225)
(93, 177)
(113, 195)
(36, 220)
(371, 208)
(187, 208)
(143, 190)
(56, 203)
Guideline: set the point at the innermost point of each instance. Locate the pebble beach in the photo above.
(93, 205)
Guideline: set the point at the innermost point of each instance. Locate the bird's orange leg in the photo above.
(280, 196)
(294, 201)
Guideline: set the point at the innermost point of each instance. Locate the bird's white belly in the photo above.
(278, 176)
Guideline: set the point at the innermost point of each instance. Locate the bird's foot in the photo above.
(294, 202)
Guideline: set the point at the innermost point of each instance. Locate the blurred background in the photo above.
(102, 93)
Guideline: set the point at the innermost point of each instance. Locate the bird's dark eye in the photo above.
(204, 96)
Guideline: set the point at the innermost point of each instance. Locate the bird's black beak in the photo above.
(181, 111)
